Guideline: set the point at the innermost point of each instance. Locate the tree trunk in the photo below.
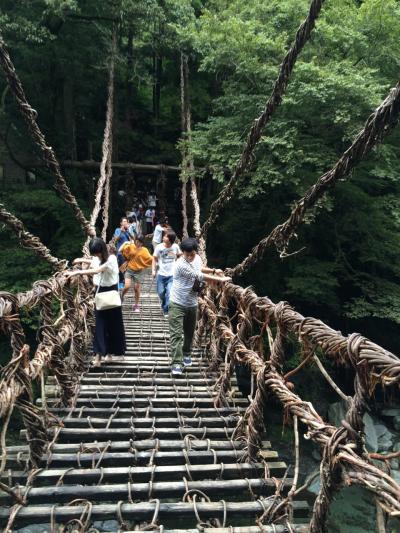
(187, 159)
(157, 74)
(129, 112)
(69, 118)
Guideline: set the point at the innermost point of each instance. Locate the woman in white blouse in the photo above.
(109, 334)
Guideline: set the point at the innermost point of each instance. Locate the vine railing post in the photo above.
(65, 376)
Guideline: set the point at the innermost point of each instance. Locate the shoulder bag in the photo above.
(106, 300)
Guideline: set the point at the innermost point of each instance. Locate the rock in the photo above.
(337, 413)
(385, 437)
(316, 484)
(377, 435)
(385, 442)
(371, 438)
(396, 422)
(390, 412)
(380, 429)
(352, 511)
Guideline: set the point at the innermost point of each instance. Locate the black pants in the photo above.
(109, 333)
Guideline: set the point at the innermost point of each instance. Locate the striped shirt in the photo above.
(185, 273)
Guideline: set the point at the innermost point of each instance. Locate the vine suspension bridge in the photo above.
(128, 446)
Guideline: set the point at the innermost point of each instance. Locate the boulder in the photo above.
(316, 484)
(377, 436)
(390, 412)
(352, 511)
(337, 413)
(371, 438)
(385, 437)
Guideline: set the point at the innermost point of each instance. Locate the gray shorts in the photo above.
(135, 275)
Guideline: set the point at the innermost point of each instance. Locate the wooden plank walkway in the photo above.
(144, 449)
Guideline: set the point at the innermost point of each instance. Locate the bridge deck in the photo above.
(144, 448)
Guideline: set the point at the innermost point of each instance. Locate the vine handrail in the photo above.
(226, 329)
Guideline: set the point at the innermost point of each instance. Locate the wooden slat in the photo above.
(147, 412)
(153, 401)
(146, 444)
(88, 460)
(36, 514)
(83, 434)
(143, 491)
(227, 421)
(155, 472)
(136, 433)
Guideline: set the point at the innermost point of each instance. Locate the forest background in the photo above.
(348, 274)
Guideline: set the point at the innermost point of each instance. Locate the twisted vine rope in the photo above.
(29, 241)
(103, 184)
(49, 351)
(30, 116)
(378, 125)
(302, 36)
(345, 460)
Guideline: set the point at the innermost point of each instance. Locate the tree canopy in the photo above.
(348, 273)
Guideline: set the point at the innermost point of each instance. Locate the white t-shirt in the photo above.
(185, 273)
(166, 258)
(152, 199)
(149, 215)
(110, 274)
(157, 235)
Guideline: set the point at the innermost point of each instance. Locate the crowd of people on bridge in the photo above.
(120, 266)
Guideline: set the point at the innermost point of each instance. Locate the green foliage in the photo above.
(349, 269)
(46, 216)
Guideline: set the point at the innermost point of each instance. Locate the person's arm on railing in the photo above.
(78, 260)
(87, 271)
(214, 275)
(217, 278)
(207, 270)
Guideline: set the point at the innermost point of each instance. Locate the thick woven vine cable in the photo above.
(107, 193)
(30, 298)
(29, 241)
(30, 116)
(15, 371)
(344, 461)
(49, 349)
(63, 372)
(105, 165)
(382, 366)
(378, 125)
(302, 36)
